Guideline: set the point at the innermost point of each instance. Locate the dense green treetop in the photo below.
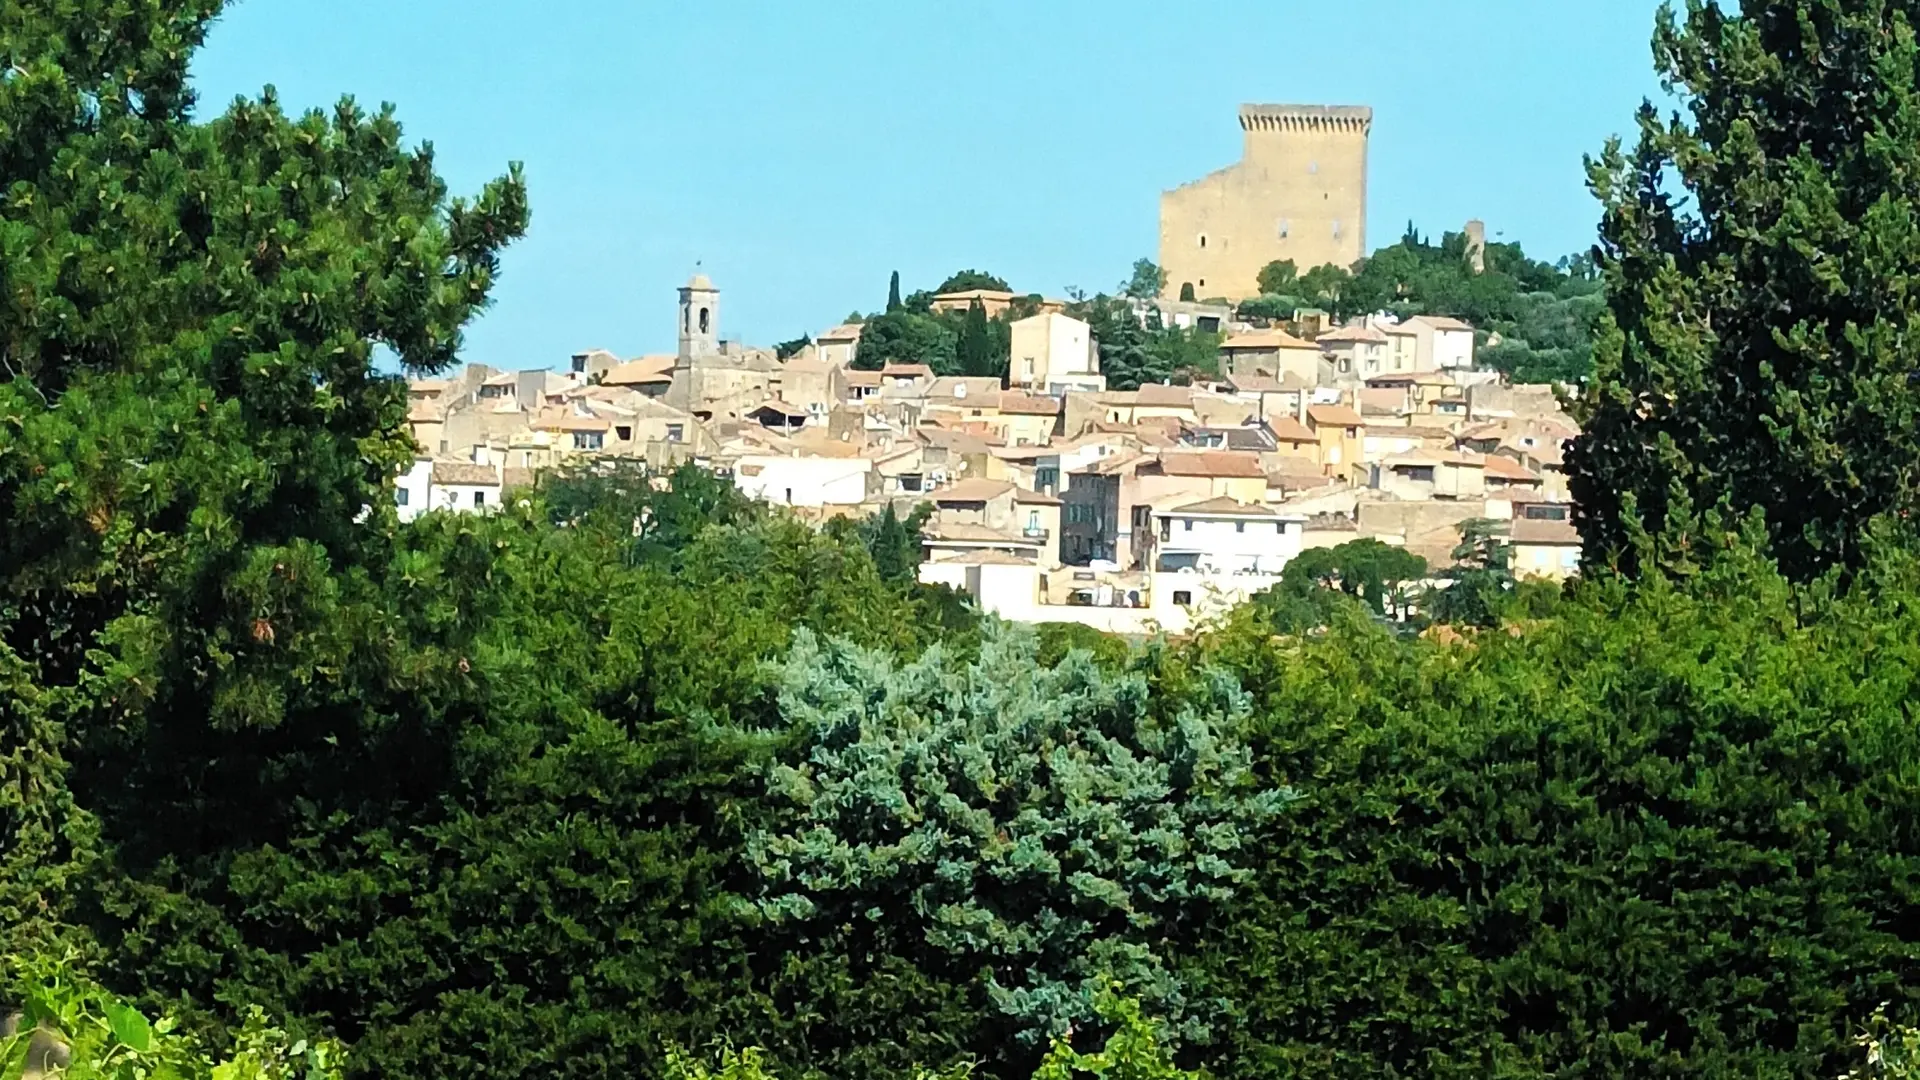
(1536, 319)
(1147, 281)
(1133, 352)
(1760, 249)
(1278, 278)
(969, 280)
(1038, 826)
(1664, 830)
(196, 451)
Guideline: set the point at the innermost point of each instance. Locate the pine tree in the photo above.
(1761, 253)
(198, 460)
(893, 292)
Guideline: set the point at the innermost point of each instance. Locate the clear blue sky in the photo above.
(801, 150)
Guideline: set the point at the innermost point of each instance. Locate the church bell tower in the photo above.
(699, 319)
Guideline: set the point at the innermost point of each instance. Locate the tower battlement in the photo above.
(1330, 119)
(1298, 193)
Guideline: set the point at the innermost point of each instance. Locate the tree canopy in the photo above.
(969, 280)
(1147, 282)
(635, 763)
(1759, 248)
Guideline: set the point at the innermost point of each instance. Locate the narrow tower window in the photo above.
(703, 311)
(1203, 239)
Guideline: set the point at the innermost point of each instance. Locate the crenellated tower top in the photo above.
(1323, 119)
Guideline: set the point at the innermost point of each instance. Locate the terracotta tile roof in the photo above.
(424, 412)
(1505, 468)
(427, 386)
(1017, 404)
(964, 532)
(973, 391)
(1267, 339)
(1354, 333)
(1441, 322)
(565, 419)
(906, 371)
(1254, 384)
(843, 332)
(464, 472)
(987, 558)
(1287, 429)
(1334, 416)
(646, 370)
(862, 378)
(1223, 506)
(1033, 498)
(1163, 395)
(1215, 463)
(974, 490)
(1426, 457)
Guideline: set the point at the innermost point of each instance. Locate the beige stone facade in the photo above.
(1298, 192)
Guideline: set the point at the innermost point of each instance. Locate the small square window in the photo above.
(400, 496)
(479, 498)
(1239, 526)
(1183, 598)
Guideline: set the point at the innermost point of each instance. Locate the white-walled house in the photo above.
(1210, 556)
(463, 485)
(837, 345)
(1444, 344)
(1053, 354)
(1224, 536)
(413, 489)
(805, 481)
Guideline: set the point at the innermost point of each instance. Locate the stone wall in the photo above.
(1299, 192)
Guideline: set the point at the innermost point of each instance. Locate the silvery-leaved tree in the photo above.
(1761, 254)
(196, 448)
(1038, 826)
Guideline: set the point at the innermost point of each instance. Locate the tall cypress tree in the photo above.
(976, 343)
(1761, 251)
(893, 292)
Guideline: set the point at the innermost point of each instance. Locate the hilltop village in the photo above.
(1045, 494)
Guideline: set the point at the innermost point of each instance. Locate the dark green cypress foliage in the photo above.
(1761, 251)
(976, 352)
